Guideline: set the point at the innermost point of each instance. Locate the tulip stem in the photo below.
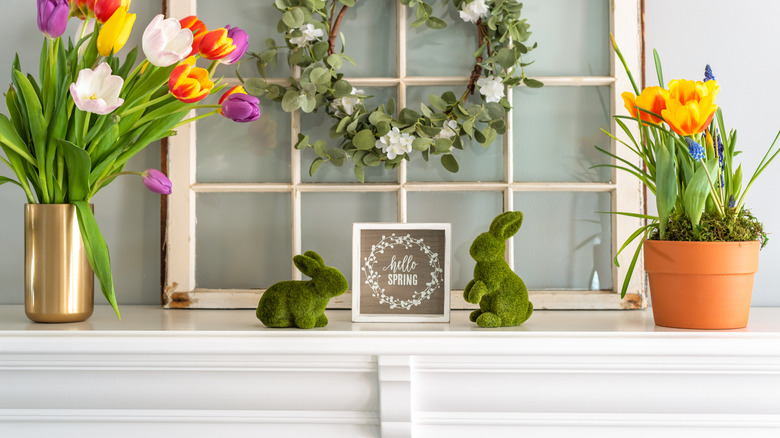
(192, 119)
(718, 200)
(145, 105)
(213, 67)
(99, 184)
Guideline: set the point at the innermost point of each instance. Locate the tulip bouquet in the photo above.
(70, 132)
(688, 163)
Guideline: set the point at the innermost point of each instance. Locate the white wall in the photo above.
(128, 214)
(741, 43)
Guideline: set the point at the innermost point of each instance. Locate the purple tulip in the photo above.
(53, 17)
(241, 107)
(157, 182)
(241, 40)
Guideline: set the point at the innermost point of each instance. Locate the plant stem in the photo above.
(192, 119)
(334, 30)
(718, 201)
(145, 105)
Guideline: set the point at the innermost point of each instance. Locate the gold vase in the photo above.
(58, 281)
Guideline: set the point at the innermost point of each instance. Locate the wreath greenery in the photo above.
(375, 136)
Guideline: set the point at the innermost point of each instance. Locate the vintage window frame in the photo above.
(179, 287)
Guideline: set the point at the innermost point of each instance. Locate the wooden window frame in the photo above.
(180, 289)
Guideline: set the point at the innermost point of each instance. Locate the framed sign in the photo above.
(400, 272)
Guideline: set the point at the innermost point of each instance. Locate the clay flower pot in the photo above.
(701, 285)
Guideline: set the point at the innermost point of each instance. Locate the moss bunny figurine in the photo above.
(500, 293)
(302, 303)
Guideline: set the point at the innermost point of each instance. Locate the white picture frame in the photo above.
(392, 248)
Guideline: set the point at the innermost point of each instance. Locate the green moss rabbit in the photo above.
(302, 303)
(500, 293)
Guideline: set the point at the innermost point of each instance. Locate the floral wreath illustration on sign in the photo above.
(372, 276)
(371, 137)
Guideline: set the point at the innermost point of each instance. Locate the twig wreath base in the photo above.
(372, 277)
(376, 136)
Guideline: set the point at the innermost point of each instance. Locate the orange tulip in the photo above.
(198, 31)
(690, 106)
(104, 9)
(188, 83)
(216, 44)
(652, 99)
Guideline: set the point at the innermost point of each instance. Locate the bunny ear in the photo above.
(505, 225)
(307, 265)
(315, 256)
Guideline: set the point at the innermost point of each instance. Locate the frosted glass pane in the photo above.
(470, 214)
(573, 37)
(555, 131)
(258, 19)
(564, 243)
(327, 223)
(370, 30)
(243, 240)
(477, 163)
(317, 127)
(440, 52)
(245, 152)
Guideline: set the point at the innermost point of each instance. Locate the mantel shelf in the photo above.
(221, 371)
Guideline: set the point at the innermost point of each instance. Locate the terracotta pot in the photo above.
(701, 285)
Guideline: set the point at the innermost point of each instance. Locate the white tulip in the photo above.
(97, 91)
(165, 43)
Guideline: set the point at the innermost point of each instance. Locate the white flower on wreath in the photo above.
(474, 10)
(491, 87)
(395, 143)
(448, 130)
(347, 103)
(310, 33)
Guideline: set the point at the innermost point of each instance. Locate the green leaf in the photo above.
(443, 145)
(495, 111)
(435, 23)
(293, 18)
(79, 166)
(437, 102)
(321, 148)
(290, 101)
(666, 184)
(658, 70)
(364, 140)
(450, 163)
(505, 57)
(697, 191)
(255, 86)
(421, 144)
(335, 60)
(315, 165)
(303, 141)
(341, 89)
(347, 2)
(532, 83)
(10, 138)
(372, 160)
(468, 127)
(360, 173)
(4, 179)
(97, 251)
(319, 50)
(490, 136)
(320, 75)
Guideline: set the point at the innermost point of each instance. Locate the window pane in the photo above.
(370, 30)
(564, 243)
(440, 52)
(243, 240)
(477, 163)
(245, 152)
(555, 131)
(573, 37)
(317, 127)
(470, 214)
(327, 222)
(258, 19)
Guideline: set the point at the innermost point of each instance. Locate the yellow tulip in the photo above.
(652, 99)
(114, 34)
(690, 106)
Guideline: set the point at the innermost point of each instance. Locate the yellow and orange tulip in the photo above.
(114, 34)
(189, 83)
(198, 31)
(105, 9)
(690, 106)
(216, 44)
(652, 99)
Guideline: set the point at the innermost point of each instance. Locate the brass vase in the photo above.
(58, 280)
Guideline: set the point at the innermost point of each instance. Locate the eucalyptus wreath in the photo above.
(376, 136)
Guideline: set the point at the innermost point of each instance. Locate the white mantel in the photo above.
(192, 373)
